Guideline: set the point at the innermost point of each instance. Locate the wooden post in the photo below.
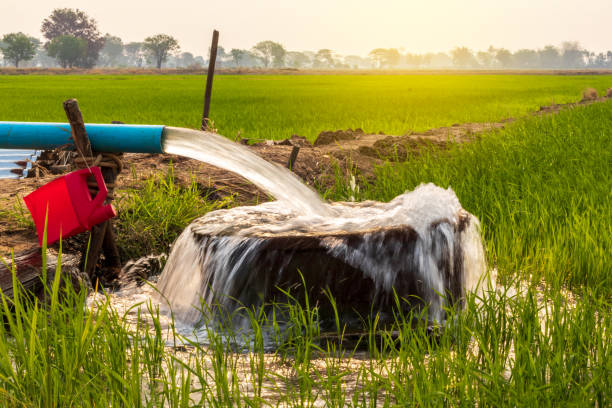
(79, 135)
(293, 157)
(99, 238)
(209, 79)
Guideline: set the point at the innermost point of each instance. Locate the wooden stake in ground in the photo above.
(293, 157)
(102, 235)
(209, 79)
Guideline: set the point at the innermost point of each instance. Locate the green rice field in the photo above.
(276, 107)
(541, 188)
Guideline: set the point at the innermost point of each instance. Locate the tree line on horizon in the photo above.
(72, 39)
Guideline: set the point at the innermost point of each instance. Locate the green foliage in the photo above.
(67, 49)
(276, 107)
(17, 212)
(112, 50)
(18, 47)
(463, 58)
(270, 51)
(75, 23)
(541, 189)
(507, 348)
(159, 47)
(385, 57)
(154, 214)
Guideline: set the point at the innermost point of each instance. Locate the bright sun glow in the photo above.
(345, 26)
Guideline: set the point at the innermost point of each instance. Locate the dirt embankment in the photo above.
(316, 164)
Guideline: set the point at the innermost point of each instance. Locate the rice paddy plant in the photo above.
(18, 213)
(514, 346)
(541, 189)
(152, 215)
(276, 107)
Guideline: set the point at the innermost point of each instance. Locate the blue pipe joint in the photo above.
(103, 138)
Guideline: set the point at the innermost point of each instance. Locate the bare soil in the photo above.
(316, 164)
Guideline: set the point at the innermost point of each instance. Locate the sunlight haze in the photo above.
(345, 26)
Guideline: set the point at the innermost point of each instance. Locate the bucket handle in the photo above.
(102, 190)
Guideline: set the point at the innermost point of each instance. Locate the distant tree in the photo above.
(223, 58)
(18, 47)
(75, 23)
(393, 57)
(597, 60)
(526, 59)
(37, 43)
(68, 50)
(486, 58)
(463, 58)
(378, 56)
(199, 61)
(134, 51)
(187, 59)
(41, 58)
(426, 59)
(440, 60)
(270, 52)
(296, 59)
(414, 60)
(278, 56)
(324, 58)
(504, 57)
(112, 50)
(357, 62)
(159, 47)
(573, 55)
(239, 56)
(549, 57)
(385, 57)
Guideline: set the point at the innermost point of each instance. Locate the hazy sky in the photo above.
(345, 26)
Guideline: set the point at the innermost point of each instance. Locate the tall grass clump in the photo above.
(511, 347)
(59, 352)
(153, 214)
(18, 213)
(541, 189)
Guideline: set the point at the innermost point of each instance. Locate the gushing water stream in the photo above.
(421, 242)
(223, 153)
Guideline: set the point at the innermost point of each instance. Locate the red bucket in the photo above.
(67, 205)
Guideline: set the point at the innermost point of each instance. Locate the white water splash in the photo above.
(213, 256)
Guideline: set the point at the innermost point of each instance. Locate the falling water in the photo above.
(225, 258)
(223, 153)
(421, 243)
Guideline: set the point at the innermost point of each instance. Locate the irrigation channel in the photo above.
(422, 248)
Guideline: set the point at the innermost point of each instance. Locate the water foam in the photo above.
(213, 257)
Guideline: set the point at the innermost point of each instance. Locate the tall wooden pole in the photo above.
(209, 79)
(102, 236)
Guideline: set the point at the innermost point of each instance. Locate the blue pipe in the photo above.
(103, 138)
